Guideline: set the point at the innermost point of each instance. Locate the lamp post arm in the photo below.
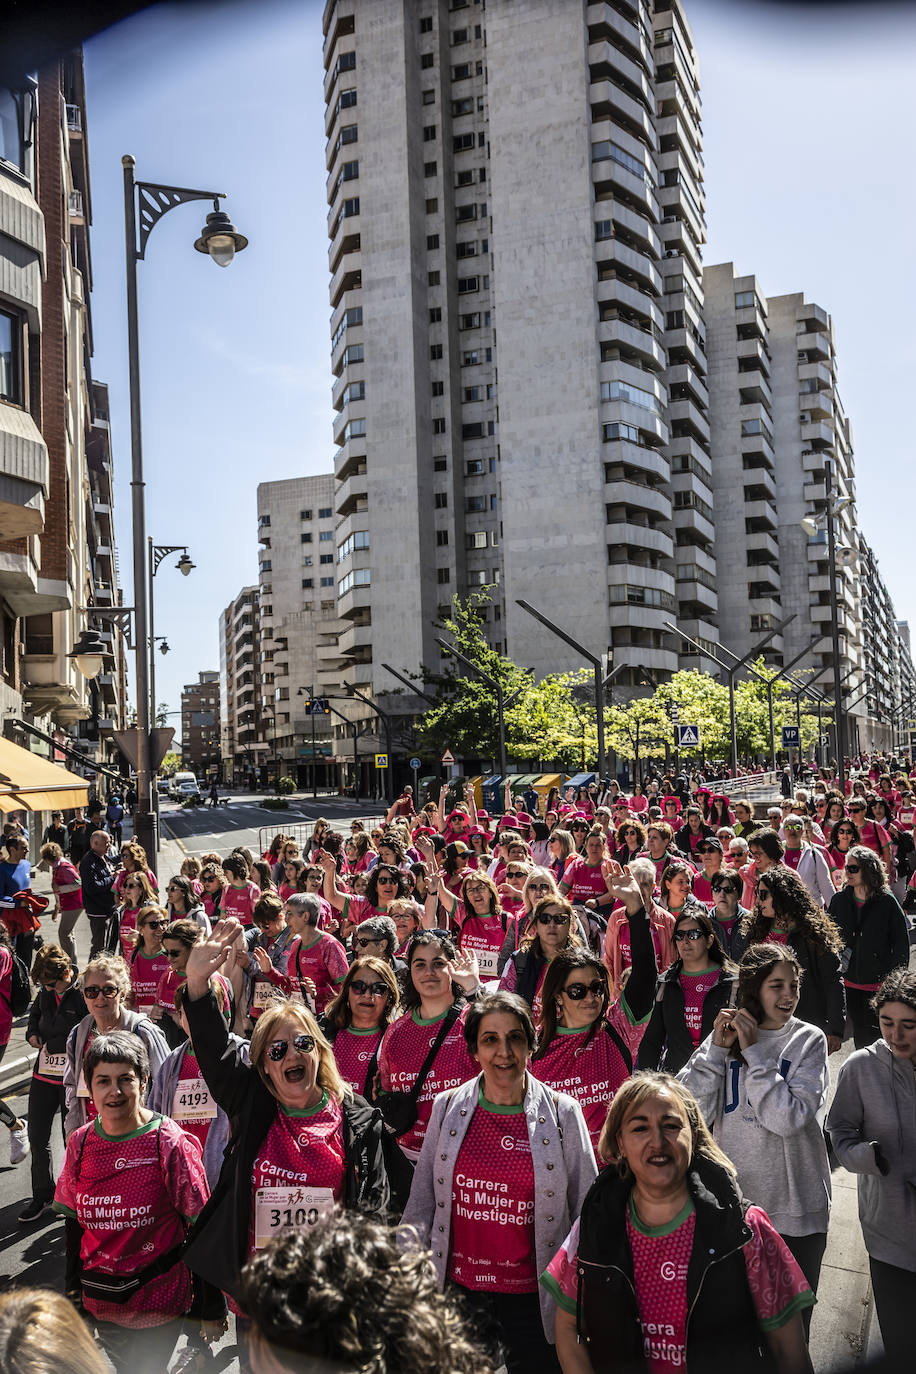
(497, 688)
(411, 686)
(154, 201)
(598, 665)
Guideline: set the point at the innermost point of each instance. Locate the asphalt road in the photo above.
(245, 821)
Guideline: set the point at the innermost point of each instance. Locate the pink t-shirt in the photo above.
(493, 1204)
(6, 992)
(485, 935)
(585, 882)
(353, 1050)
(132, 1195)
(660, 1256)
(240, 902)
(324, 961)
(591, 1073)
(302, 1153)
(65, 875)
(702, 891)
(187, 1093)
(145, 974)
(127, 926)
(404, 1047)
(695, 986)
(792, 858)
(623, 944)
(508, 983)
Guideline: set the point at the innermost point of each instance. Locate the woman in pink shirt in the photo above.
(241, 894)
(68, 892)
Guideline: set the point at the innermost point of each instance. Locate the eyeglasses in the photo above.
(385, 880)
(539, 887)
(516, 873)
(689, 936)
(172, 887)
(155, 925)
(853, 868)
(723, 887)
(171, 953)
(576, 991)
(364, 940)
(369, 989)
(547, 918)
(845, 830)
(106, 990)
(302, 1044)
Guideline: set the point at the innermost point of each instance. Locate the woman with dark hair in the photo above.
(719, 811)
(785, 913)
(438, 979)
(843, 835)
(359, 855)
(385, 885)
(587, 1042)
(292, 872)
(561, 847)
(262, 876)
(584, 876)
(272, 854)
(875, 934)
(148, 961)
(761, 1081)
(183, 903)
(672, 1207)
(213, 882)
(872, 1126)
(240, 894)
(689, 994)
(477, 917)
(491, 1211)
(630, 841)
(676, 889)
(391, 851)
(136, 893)
(354, 1023)
(68, 894)
(553, 928)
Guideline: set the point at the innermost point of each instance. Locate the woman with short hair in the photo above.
(183, 903)
(68, 894)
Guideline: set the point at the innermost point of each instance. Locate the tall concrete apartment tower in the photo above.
(776, 415)
(515, 222)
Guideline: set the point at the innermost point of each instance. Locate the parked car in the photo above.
(176, 781)
(188, 789)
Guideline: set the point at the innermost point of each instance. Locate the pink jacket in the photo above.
(661, 923)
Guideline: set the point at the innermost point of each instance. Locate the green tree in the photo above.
(171, 761)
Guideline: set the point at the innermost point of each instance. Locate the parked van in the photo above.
(177, 779)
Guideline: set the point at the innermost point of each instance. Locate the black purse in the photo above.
(399, 1110)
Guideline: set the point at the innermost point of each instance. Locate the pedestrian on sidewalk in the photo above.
(872, 1125)
(68, 895)
(97, 876)
(56, 832)
(19, 1142)
(78, 836)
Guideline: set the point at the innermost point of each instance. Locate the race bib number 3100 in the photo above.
(278, 1210)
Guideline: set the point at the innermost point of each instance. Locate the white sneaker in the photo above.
(19, 1144)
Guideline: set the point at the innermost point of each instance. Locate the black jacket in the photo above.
(80, 832)
(682, 839)
(97, 876)
(876, 934)
(667, 1034)
(219, 1239)
(722, 1328)
(52, 1020)
(822, 1001)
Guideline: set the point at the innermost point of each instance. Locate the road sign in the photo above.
(448, 756)
(160, 742)
(687, 736)
(415, 765)
(317, 706)
(381, 760)
(791, 738)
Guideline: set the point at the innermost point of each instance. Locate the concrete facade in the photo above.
(531, 172)
(242, 747)
(200, 725)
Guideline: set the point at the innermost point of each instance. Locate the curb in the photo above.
(17, 1071)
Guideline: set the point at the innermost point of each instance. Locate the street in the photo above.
(245, 821)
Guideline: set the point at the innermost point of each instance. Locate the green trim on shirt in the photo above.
(498, 1108)
(160, 954)
(628, 1013)
(556, 1292)
(712, 968)
(575, 1030)
(664, 1230)
(352, 1030)
(798, 1304)
(418, 1020)
(306, 1111)
(131, 1135)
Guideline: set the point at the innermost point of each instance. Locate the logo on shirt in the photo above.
(508, 1142)
(671, 1272)
(133, 1163)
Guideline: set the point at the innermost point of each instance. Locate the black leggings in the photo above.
(510, 1326)
(895, 1301)
(809, 1256)
(864, 1021)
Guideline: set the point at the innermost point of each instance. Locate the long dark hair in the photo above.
(411, 997)
(372, 882)
(339, 1014)
(557, 972)
(844, 820)
(716, 954)
(757, 963)
(793, 902)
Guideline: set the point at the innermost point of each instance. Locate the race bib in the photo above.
(51, 1065)
(192, 1101)
(266, 995)
(486, 962)
(278, 1210)
(81, 1089)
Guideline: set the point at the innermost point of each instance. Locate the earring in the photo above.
(623, 1167)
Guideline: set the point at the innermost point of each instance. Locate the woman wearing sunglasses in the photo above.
(105, 985)
(552, 928)
(356, 1020)
(136, 893)
(301, 1142)
(178, 939)
(213, 882)
(561, 847)
(385, 884)
(689, 995)
(587, 1042)
(584, 878)
(183, 903)
(148, 961)
(630, 841)
(875, 934)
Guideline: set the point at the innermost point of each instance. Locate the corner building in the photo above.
(516, 215)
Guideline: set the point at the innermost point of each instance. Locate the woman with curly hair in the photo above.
(629, 841)
(346, 1295)
(384, 885)
(844, 833)
(786, 913)
(761, 1081)
(676, 889)
(875, 933)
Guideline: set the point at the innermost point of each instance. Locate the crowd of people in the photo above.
(562, 1074)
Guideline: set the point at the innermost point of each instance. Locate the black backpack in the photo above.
(20, 987)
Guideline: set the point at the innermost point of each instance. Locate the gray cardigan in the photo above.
(564, 1170)
(875, 1104)
(162, 1093)
(135, 1021)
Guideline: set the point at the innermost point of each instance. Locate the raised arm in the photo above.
(226, 1074)
(640, 988)
(332, 893)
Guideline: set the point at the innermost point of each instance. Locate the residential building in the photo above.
(303, 543)
(242, 748)
(56, 549)
(525, 175)
(889, 679)
(200, 726)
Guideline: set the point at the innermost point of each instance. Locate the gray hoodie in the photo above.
(767, 1116)
(875, 1104)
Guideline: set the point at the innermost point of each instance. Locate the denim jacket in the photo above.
(564, 1169)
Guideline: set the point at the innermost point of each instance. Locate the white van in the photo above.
(177, 779)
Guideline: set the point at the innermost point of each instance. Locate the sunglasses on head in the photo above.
(369, 989)
(106, 990)
(546, 918)
(690, 936)
(302, 1044)
(576, 991)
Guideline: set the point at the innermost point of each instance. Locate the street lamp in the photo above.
(501, 701)
(599, 666)
(155, 554)
(386, 720)
(144, 205)
(89, 651)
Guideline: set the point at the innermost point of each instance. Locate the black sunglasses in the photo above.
(689, 935)
(108, 990)
(853, 868)
(364, 940)
(370, 989)
(576, 991)
(546, 919)
(302, 1044)
(156, 925)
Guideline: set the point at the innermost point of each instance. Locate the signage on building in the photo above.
(791, 737)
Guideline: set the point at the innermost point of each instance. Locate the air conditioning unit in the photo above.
(672, 253)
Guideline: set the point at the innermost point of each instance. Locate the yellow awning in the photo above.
(29, 782)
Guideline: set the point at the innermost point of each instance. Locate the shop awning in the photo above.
(29, 782)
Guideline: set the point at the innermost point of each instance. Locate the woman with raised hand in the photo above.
(504, 1169)
(302, 1142)
(354, 1023)
(761, 1080)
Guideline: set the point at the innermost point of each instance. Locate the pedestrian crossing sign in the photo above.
(381, 760)
(687, 736)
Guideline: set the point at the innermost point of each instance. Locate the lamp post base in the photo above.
(146, 832)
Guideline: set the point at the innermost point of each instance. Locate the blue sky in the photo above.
(807, 125)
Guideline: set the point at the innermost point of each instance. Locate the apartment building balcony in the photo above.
(672, 130)
(608, 176)
(695, 594)
(24, 474)
(682, 374)
(818, 434)
(675, 202)
(605, 22)
(632, 338)
(815, 345)
(754, 348)
(654, 500)
(684, 340)
(683, 411)
(633, 532)
(822, 373)
(762, 513)
(810, 317)
(349, 457)
(351, 494)
(354, 641)
(25, 591)
(605, 61)
(815, 491)
(614, 291)
(751, 323)
(347, 279)
(641, 266)
(818, 404)
(610, 101)
(652, 461)
(689, 517)
(759, 485)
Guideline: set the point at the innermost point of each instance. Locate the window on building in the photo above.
(438, 388)
(307, 582)
(426, 24)
(307, 561)
(463, 107)
(468, 284)
(327, 581)
(459, 36)
(477, 540)
(432, 278)
(429, 133)
(472, 393)
(354, 354)
(349, 171)
(440, 500)
(326, 558)
(465, 213)
(440, 463)
(466, 249)
(325, 535)
(427, 60)
(462, 142)
(432, 205)
(475, 504)
(632, 395)
(461, 71)
(465, 178)
(11, 378)
(443, 575)
(325, 513)
(349, 133)
(12, 144)
(347, 100)
(430, 169)
(439, 425)
(441, 538)
(435, 352)
(469, 321)
(429, 97)
(743, 299)
(305, 538)
(432, 241)
(435, 314)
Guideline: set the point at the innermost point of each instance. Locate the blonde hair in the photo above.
(643, 1086)
(110, 966)
(148, 896)
(328, 1073)
(40, 1330)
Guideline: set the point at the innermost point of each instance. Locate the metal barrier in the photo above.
(300, 832)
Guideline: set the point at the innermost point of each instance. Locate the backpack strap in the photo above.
(622, 1047)
(451, 1016)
